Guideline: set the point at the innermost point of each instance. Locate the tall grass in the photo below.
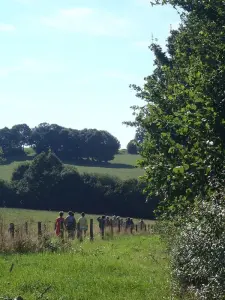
(20, 242)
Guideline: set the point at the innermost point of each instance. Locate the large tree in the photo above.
(23, 133)
(184, 115)
(72, 144)
(132, 147)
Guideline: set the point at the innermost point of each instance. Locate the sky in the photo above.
(70, 62)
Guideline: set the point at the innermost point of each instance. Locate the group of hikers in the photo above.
(70, 225)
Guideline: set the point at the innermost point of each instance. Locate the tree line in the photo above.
(66, 143)
(46, 183)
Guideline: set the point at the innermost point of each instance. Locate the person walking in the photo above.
(102, 224)
(107, 221)
(141, 224)
(60, 224)
(83, 226)
(70, 225)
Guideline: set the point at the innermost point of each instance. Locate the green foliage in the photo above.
(20, 171)
(23, 133)
(46, 183)
(67, 143)
(40, 175)
(71, 144)
(184, 144)
(10, 142)
(184, 115)
(132, 147)
(2, 158)
(6, 193)
(198, 249)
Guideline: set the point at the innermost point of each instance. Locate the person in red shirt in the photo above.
(59, 224)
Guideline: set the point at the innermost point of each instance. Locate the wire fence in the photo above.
(47, 229)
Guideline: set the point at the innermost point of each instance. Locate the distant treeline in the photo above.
(46, 183)
(66, 143)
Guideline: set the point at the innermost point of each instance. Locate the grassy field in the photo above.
(121, 267)
(124, 268)
(122, 166)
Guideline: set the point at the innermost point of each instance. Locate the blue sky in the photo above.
(70, 62)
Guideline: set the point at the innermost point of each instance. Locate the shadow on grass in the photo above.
(93, 164)
(83, 163)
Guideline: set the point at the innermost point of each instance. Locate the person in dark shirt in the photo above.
(70, 225)
(107, 221)
(101, 224)
(128, 223)
(141, 224)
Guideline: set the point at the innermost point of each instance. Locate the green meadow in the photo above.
(123, 166)
(128, 267)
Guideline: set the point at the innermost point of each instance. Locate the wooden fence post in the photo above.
(39, 230)
(26, 228)
(136, 226)
(91, 230)
(12, 230)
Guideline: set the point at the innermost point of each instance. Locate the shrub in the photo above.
(132, 147)
(198, 256)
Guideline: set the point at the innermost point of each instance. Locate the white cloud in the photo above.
(7, 27)
(30, 65)
(89, 21)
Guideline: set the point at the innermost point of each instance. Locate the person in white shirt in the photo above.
(83, 224)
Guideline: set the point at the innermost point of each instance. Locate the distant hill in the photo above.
(123, 166)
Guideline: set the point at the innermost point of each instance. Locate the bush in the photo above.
(198, 256)
(132, 147)
(7, 194)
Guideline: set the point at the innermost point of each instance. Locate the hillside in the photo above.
(123, 166)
